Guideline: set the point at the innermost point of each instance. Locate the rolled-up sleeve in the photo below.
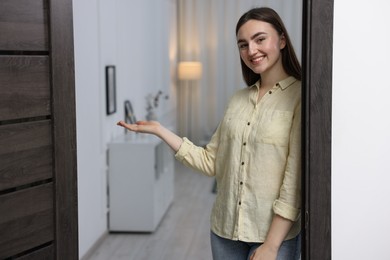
(199, 158)
(185, 147)
(288, 205)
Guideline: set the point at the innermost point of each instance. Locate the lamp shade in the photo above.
(189, 70)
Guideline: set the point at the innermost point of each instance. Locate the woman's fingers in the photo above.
(127, 126)
(141, 126)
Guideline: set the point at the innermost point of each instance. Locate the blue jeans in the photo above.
(226, 249)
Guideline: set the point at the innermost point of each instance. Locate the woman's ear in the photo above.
(282, 41)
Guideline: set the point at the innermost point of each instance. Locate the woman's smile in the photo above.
(257, 60)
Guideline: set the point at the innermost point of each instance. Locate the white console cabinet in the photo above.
(141, 182)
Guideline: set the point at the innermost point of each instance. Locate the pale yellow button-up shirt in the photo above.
(255, 155)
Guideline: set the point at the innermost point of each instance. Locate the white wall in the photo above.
(89, 111)
(361, 131)
(139, 38)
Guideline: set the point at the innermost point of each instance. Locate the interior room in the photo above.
(146, 41)
(74, 185)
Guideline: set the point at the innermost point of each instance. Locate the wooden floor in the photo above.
(183, 234)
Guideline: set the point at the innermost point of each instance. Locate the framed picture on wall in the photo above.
(110, 90)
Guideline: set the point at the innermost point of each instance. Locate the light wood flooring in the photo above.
(183, 234)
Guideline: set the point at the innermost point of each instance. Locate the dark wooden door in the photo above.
(317, 127)
(38, 185)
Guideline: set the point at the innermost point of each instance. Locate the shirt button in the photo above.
(249, 123)
(241, 183)
(239, 203)
(244, 143)
(270, 92)
(242, 163)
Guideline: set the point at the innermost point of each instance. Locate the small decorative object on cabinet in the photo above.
(141, 183)
(129, 113)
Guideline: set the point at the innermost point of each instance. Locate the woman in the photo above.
(255, 153)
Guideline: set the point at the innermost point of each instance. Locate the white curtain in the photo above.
(206, 32)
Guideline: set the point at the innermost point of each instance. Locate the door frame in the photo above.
(64, 129)
(317, 53)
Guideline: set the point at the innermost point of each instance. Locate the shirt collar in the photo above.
(283, 84)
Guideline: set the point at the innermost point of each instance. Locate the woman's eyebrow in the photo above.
(252, 37)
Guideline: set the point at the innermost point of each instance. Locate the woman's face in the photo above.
(259, 45)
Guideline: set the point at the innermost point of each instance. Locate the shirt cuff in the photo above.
(184, 149)
(286, 211)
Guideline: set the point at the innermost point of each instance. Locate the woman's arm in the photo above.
(155, 128)
(287, 206)
(278, 231)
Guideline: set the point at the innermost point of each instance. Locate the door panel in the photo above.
(25, 86)
(26, 219)
(46, 253)
(23, 25)
(25, 153)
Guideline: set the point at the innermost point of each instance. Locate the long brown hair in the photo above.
(289, 59)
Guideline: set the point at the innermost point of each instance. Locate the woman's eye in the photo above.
(259, 40)
(242, 46)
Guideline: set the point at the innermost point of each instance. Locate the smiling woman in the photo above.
(206, 33)
(258, 203)
(319, 79)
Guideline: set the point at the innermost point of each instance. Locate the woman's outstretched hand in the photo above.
(147, 127)
(155, 128)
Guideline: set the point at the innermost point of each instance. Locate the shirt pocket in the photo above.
(233, 126)
(274, 127)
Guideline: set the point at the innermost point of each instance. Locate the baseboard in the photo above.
(95, 246)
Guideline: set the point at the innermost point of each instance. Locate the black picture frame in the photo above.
(110, 89)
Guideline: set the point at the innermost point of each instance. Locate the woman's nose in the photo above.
(252, 49)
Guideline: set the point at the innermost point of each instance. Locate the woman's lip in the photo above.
(257, 59)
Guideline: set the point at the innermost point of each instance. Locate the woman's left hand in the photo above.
(264, 252)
